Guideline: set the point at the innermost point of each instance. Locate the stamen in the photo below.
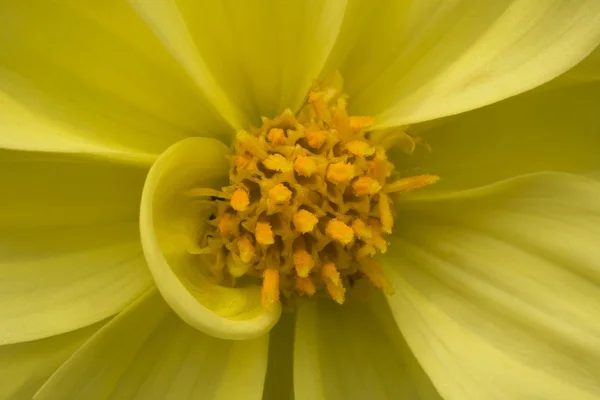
(360, 123)
(226, 224)
(339, 231)
(304, 221)
(332, 279)
(264, 234)
(277, 162)
(246, 249)
(411, 183)
(366, 186)
(305, 166)
(372, 269)
(360, 148)
(276, 136)
(303, 262)
(240, 199)
(319, 106)
(315, 139)
(306, 285)
(279, 194)
(340, 173)
(270, 288)
(361, 229)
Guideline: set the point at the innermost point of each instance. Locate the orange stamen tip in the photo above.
(360, 148)
(303, 262)
(340, 173)
(270, 288)
(240, 200)
(339, 231)
(306, 285)
(280, 194)
(242, 161)
(365, 251)
(361, 229)
(385, 213)
(315, 139)
(305, 166)
(246, 249)
(333, 282)
(226, 224)
(411, 183)
(276, 136)
(277, 162)
(365, 186)
(304, 221)
(357, 122)
(264, 234)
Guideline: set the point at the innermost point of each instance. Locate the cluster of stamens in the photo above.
(308, 205)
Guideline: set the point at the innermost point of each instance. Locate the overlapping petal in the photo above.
(148, 353)
(406, 62)
(70, 253)
(251, 58)
(498, 288)
(546, 129)
(24, 367)
(91, 77)
(354, 352)
(171, 224)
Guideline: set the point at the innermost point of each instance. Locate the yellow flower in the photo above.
(495, 269)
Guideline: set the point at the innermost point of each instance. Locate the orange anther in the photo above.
(340, 173)
(305, 166)
(304, 221)
(276, 136)
(411, 183)
(365, 251)
(385, 213)
(357, 123)
(264, 234)
(361, 229)
(334, 284)
(372, 269)
(306, 285)
(339, 231)
(270, 288)
(365, 186)
(277, 162)
(280, 194)
(240, 199)
(360, 148)
(303, 262)
(246, 249)
(315, 139)
(242, 161)
(226, 224)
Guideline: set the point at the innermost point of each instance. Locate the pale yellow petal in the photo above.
(71, 254)
(279, 384)
(148, 353)
(498, 289)
(254, 58)
(171, 222)
(91, 77)
(411, 61)
(546, 129)
(354, 352)
(24, 367)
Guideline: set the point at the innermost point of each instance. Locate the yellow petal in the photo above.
(255, 58)
(554, 129)
(91, 77)
(71, 254)
(147, 352)
(354, 352)
(24, 367)
(407, 61)
(497, 289)
(170, 223)
(279, 379)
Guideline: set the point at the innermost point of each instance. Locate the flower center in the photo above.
(308, 205)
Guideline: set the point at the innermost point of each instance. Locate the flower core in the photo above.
(308, 205)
